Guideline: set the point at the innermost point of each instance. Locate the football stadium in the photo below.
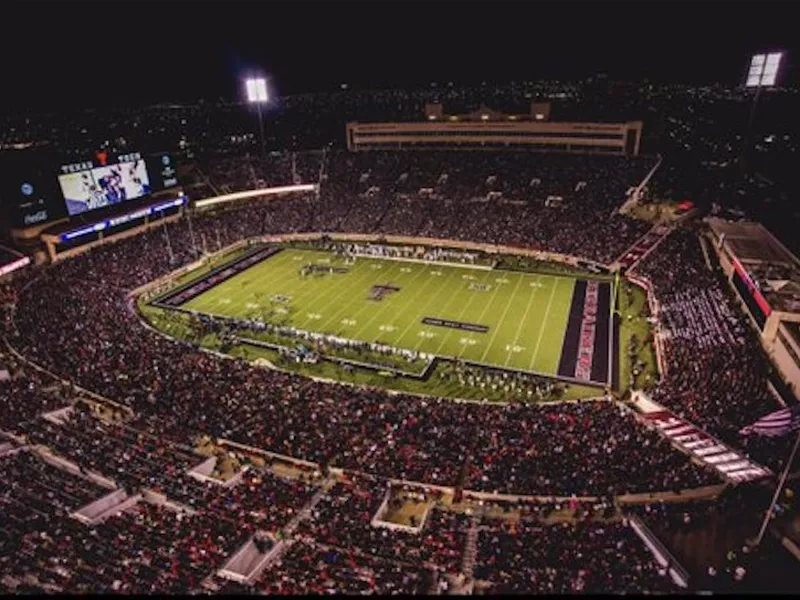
(433, 338)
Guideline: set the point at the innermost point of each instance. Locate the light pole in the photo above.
(257, 94)
(763, 73)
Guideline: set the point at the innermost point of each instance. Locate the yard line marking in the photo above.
(442, 286)
(305, 286)
(386, 305)
(501, 320)
(522, 322)
(365, 275)
(280, 272)
(489, 304)
(544, 324)
(464, 308)
(280, 275)
(210, 303)
(277, 273)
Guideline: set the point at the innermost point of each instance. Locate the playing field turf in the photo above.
(525, 313)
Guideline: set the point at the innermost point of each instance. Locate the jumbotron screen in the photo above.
(87, 186)
(37, 187)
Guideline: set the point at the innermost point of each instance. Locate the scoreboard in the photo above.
(37, 189)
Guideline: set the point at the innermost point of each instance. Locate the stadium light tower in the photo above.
(763, 72)
(257, 94)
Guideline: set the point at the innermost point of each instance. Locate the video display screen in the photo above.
(162, 171)
(93, 187)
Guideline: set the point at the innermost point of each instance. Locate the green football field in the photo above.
(525, 313)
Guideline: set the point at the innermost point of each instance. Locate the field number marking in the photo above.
(510, 348)
(252, 305)
(405, 270)
(436, 272)
(225, 300)
(426, 334)
(348, 321)
(387, 328)
(502, 280)
(314, 316)
(536, 284)
(467, 341)
(470, 277)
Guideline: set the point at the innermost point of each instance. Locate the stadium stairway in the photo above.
(470, 551)
(305, 512)
(641, 248)
(731, 465)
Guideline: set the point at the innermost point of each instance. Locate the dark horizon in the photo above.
(119, 53)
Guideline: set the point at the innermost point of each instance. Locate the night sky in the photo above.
(66, 54)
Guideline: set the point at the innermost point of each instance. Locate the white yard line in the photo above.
(441, 286)
(386, 306)
(346, 290)
(501, 319)
(210, 307)
(306, 290)
(544, 325)
(497, 288)
(475, 295)
(265, 303)
(524, 317)
(290, 277)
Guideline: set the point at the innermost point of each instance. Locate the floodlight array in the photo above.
(256, 90)
(764, 69)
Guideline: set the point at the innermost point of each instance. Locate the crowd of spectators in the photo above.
(529, 557)
(145, 549)
(211, 176)
(342, 519)
(91, 336)
(545, 452)
(25, 394)
(717, 373)
(308, 568)
(136, 460)
(546, 203)
(492, 197)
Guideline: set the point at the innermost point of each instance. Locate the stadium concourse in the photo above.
(173, 531)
